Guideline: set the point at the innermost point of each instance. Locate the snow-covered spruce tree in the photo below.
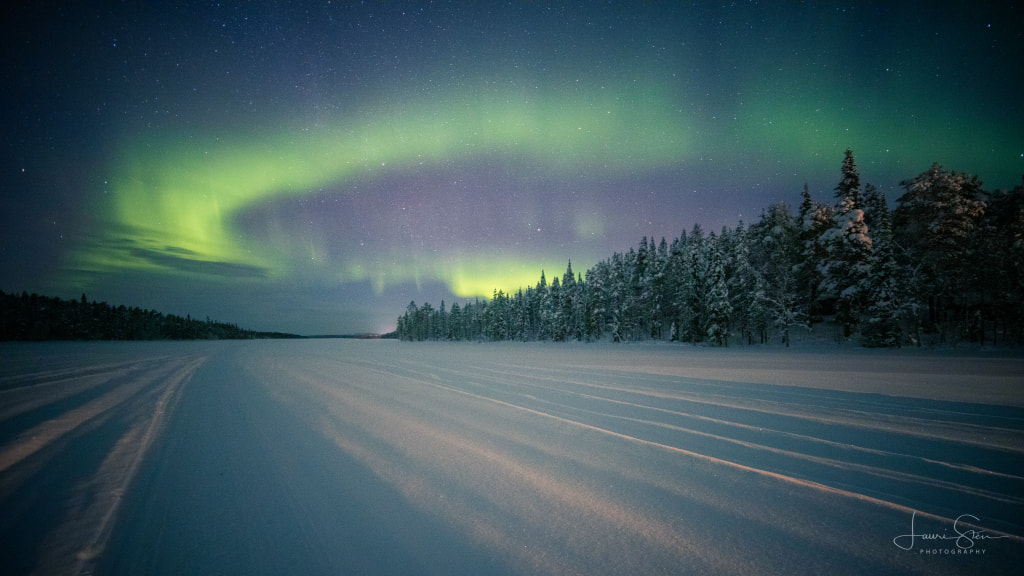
(1013, 208)
(715, 300)
(662, 290)
(555, 320)
(849, 182)
(412, 321)
(479, 326)
(876, 212)
(585, 311)
(581, 308)
(634, 316)
(649, 289)
(543, 296)
(782, 308)
(880, 321)
(441, 331)
(536, 315)
(400, 328)
(455, 322)
(569, 303)
(640, 286)
(691, 288)
(622, 303)
(776, 257)
(531, 312)
(933, 224)
(743, 284)
(424, 321)
(846, 266)
(997, 278)
(847, 260)
(524, 314)
(726, 239)
(597, 282)
(758, 317)
(518, 326)
(470, 320)
(507, 315)
(673, 285)
(814, 220)
(615, 293)
(493, 317)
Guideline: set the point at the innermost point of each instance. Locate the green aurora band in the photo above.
(174, 205)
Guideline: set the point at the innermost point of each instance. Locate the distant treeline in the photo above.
(945, 266)
(36, 318)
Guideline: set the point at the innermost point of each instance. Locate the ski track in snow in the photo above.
(379, 457)
(57, 417)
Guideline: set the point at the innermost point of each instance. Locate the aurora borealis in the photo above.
(185, 202)
(313, 167)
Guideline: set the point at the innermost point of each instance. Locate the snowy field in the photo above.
(379, 457)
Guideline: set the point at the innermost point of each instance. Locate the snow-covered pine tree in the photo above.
(691, 287)
(658, 286)
(846, 265)
(715, 299)
(640, 284)
(633, 313)
(880, 322)
(997, 276)
(778, 247)
(758, 315)
(455, 322)
(815, 218)
(543, 308)
(400, 328)
(597, 282)
(933, 224)
(849, 181)
(875, 210)
(568, 303)
(742, 283)
(617, 295)
(847, 259)
(584, 310)
(553, 311)
(424, 321)
(441, 330)
(518, 311)
(674, 273)
(412, 322)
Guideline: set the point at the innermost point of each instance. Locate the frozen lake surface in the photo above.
(379, 457)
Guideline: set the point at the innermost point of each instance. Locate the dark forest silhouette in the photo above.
(37, 318)
(945, 266)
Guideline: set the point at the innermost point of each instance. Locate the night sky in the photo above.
(311, 167)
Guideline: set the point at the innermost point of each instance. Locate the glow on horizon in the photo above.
(175, 201)
(467, 277)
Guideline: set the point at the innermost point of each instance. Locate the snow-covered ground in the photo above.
(381, 457)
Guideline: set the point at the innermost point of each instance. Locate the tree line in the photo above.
(36, 318)
(945, 266)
